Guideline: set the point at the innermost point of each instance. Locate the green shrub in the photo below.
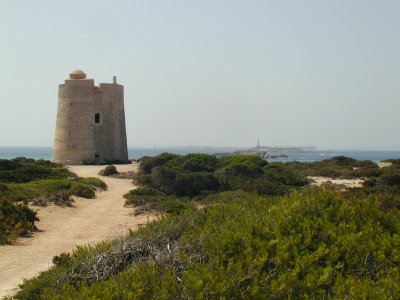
(242, 170)
(182, 183)
(173, 206)
(393, 161)
(149, 199)
(3, 188)
(340, 166)
(143, 195)
(15, 220)
(108, 171)
(280, 175)
(20, 170)
(391, 179)
(310, 244)
(94, 182)
(47, 188)
(83, 191)
(200, 174)
(370, 182)
(200, 163)
(62, 260)
(244, 160)
(148, 163)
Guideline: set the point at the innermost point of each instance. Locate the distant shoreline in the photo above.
(9, 152)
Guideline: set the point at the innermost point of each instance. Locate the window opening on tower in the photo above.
(97, 118)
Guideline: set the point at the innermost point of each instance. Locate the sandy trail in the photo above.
(383, 164)
(349, 183)
(61, 229)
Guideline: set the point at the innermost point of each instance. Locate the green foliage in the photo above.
(241, 170)
(199, 174)
(253, 174)
(21, 170)
(280, 175)
(143, 195)
(181, 182)
(200, 162)
(3, 188)
(62, 260)
(149, 199)
(15, 220)
(83, 191)
(253, 161)
(309, 244)
(108, 171)
(336, 167)
(148, 163)
(391, 179)
(388, 182)
(393, 161)
(47, 187)
(91, 181)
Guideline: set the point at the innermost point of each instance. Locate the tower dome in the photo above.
(77, 74)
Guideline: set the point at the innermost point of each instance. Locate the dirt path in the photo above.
(61, 229)
(383, 164)
(349, 183)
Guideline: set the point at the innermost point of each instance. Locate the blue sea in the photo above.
(135, 153)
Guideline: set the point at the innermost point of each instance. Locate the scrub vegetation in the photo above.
(109, 171)
(313, 243)
(336, 167)
(24, 181)
(225, 236)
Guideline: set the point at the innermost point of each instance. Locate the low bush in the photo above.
(241, 170)
(335, 167)
(182, 183)
(48, 187)
(60, 199)
(391, 179)
(82, 190)
(94, 182)
(3, 188)
(247, 160)
(148, 163)
(310, 244)
(149, 199)
(143, 195)
(20, 170)
(15, 220)
(108, 171)
(62, 260)
(200, 163)
(393, 161)
(199, 174)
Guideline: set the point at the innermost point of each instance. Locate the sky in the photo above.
(210, 72)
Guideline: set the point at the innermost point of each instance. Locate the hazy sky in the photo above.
(210, 72)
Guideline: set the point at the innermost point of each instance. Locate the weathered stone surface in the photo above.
(79, 138)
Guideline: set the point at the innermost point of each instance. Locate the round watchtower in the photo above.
(90, 126)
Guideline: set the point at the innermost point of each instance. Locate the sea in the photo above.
(136, 153)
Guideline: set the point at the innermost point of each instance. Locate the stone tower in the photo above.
(90, 126)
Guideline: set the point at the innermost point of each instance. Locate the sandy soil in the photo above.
(350, 183)
(382, 164)
(61, 229)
